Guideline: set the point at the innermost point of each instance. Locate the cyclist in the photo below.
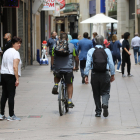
(64, 65)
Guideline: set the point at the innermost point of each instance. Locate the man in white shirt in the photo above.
(135, 43)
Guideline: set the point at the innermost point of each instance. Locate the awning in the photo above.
(100, 18)
(36, 5)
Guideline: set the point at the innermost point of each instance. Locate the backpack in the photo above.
(62, 48)
(99, 60)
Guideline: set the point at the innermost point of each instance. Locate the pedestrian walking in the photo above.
(50, 44)
(69, 37)
(93, 40)
(8, 44)
(100, 59)
(84, 46)
(135, 44)
(10, 72)
(115, 46)
(126, 55)
(75, 40)
(122, 39)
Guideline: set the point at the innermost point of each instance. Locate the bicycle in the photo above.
(63, 97)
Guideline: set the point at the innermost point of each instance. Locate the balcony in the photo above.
(71, 7)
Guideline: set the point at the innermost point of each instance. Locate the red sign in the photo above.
(62, 2)
(138, 11)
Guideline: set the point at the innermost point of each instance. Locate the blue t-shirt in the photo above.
(75, 42)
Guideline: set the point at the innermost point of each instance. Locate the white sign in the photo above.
(56, 13)
(49, 5)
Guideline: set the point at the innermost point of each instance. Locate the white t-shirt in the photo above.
(8, 60)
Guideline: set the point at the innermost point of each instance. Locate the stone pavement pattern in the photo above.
(33, 97)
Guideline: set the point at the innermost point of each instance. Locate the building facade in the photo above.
(125, 12)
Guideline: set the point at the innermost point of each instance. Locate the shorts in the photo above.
(68, 76)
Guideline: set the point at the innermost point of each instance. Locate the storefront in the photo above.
(68, 20)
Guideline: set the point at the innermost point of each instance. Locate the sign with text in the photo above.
(49, 5)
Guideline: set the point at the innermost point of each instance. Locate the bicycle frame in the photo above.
(64, 86)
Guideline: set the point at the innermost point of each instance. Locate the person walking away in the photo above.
(126, 55)
(84, 46)
(93, 40)
(115, 46)
(69, 37)
(74, 41)
(135, 44)
(10, 72)
(50, 43)
(8, 44)
(122, 39)
(100, 59)
(62, 65)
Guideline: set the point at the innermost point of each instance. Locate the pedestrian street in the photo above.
(40, 119)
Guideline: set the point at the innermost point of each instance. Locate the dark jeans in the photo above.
(8, 92)
(126, 59)
(100, 83)
(115, 58)
(82, 67)
(136, 53)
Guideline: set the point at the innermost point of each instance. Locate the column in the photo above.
(122, 17)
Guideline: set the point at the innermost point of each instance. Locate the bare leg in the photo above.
(56, 80)
(70, 90)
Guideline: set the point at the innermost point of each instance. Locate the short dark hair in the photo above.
(95, 34)
(52, 33)
(64, 36)
(16, 39)
(85, 35)
(122, 36)
(126, 35)
(74, 36)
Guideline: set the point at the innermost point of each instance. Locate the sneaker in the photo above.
(54, 90)
(123, 75)
(130, 75)
(13, 118)
(83, 80)
(2, 117)
(70, 105)
(105, 108)
(118, 71)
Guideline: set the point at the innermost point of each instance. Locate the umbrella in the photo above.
(100, 18)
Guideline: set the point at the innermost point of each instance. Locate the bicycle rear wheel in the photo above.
(61, 101)
(66, 103)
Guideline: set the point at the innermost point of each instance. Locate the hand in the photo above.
(112, 78)
(46, 53)
(86, 80)
(16, 83)
(129, 53)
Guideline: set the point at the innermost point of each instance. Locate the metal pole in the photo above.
(112, 29)
(31, 31)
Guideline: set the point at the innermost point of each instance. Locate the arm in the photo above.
(75, 54)
(15, 67)
(88, 65)
(127, 51)
(111, 65)
(52, 57)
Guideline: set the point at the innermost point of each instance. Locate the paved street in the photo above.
(34, 97)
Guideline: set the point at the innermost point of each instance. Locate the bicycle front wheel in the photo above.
(61, 102)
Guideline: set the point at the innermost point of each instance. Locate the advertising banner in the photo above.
(49, 5)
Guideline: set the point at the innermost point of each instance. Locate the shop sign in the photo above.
(49, 5)
(138, 11)
(56, 13)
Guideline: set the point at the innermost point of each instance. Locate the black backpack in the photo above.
(99, 60)
(62, 48)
